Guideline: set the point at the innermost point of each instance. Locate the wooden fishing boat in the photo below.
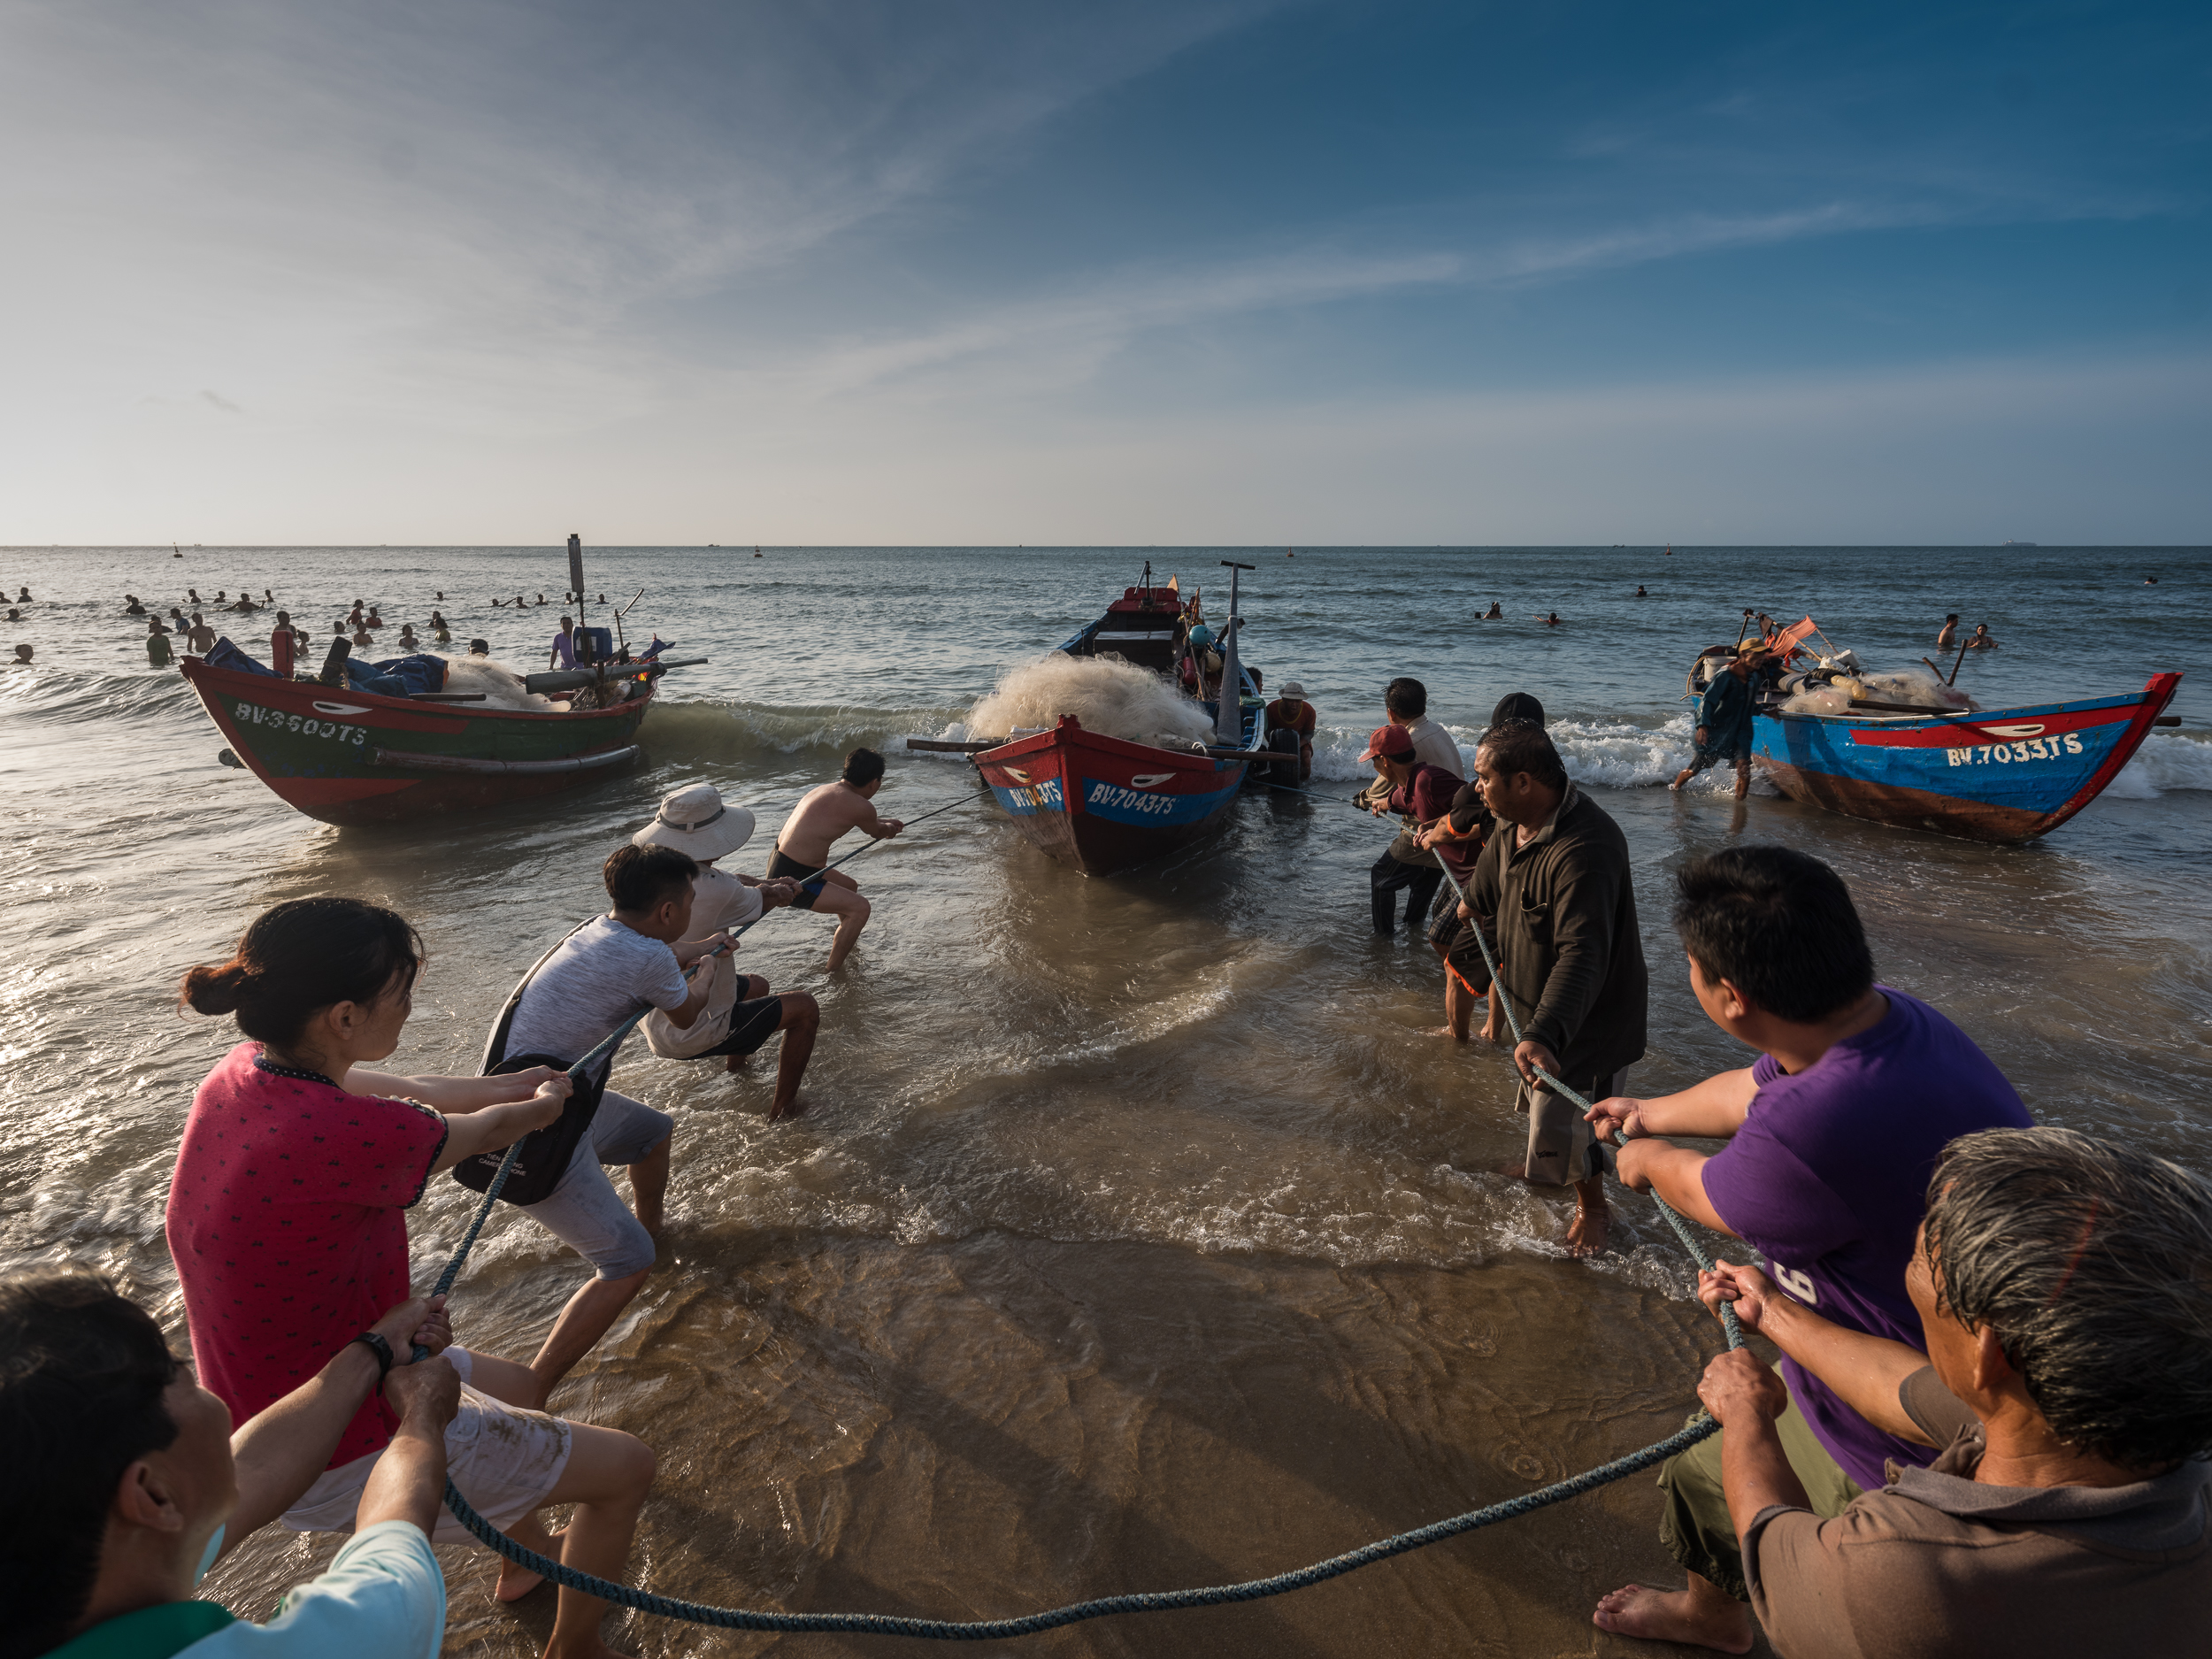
(350, 757)
(1104, 803)
(1994, 775)
(1142, 625)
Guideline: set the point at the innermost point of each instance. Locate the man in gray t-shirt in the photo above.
(611, 968)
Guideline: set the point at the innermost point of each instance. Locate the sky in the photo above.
(988, 272)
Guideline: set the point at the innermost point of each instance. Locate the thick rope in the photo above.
(1100, 1607)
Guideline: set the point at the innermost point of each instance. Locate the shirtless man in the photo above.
(201, 638)
(803, 846)
(1948, 637)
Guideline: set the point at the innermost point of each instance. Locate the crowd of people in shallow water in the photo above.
(1987, 1431)
(183, 627)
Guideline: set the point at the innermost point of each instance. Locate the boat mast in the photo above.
(576, 578)
(1229, 711)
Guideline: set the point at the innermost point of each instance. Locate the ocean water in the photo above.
(1139, 1231)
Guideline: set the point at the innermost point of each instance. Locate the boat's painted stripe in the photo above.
(1987, 728)
(405, 759)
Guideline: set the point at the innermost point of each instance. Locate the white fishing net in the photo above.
(1112, 697)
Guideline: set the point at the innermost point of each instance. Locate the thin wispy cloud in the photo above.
(678, 255)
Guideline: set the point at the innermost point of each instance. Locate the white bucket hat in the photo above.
(693, 820)
(1292, 688)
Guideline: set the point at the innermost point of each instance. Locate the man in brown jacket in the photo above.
(1556, 878)
(2062, 1288)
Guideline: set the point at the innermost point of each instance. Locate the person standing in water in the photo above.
(158, 652)
(1724, 722)
(564, 652)
(282, 644)
(202, 638)
(1291, 713)
(1555, 875)
(802, 847)
(1948, 637)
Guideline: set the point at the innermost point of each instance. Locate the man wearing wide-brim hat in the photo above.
(1291, 713)
(741, 1013)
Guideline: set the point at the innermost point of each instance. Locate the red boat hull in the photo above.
(1102, 804)
(350, 757)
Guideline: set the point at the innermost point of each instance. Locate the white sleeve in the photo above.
(669, 988)
(383, 1595)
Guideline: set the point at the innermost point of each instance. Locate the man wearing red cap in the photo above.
(1421, 792)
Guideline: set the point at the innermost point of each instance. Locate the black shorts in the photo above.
(1457, 939)
(784, 865)
(751, 1023)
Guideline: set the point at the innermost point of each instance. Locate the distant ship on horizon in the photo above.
(2018, 544)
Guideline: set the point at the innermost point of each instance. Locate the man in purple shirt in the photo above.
(563, 653)
(1832, 1135)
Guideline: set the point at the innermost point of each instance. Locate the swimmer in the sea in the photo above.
(1493, 614)
(1983, 639)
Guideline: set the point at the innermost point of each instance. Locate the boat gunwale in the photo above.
(198, 669)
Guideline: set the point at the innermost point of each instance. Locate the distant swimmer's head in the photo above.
(285, 616)
(863, 770)
(23, 653)
(479, 648)
(695, 820)
(333, 975)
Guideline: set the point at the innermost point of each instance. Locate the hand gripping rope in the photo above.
(1100, 1607)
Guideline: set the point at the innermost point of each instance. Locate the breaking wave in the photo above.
(2167, 760)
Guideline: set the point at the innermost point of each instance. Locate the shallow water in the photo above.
(1137, 1233)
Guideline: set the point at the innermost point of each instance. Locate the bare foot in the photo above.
(778, 1113)
(1655, 1615)
(1446, 1030)
(736, 1063)
(650, 1218)
(1588, 1232)
(516, 1582)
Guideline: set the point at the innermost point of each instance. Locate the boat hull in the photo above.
(2002, 775)
(351, 758)
(1102, 804)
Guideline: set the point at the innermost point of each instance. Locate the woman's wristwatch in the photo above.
(378, 1346)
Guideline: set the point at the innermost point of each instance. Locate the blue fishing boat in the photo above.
(1991, 775)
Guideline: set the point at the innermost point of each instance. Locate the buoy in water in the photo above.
(229, 759)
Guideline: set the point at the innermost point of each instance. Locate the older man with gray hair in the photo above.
(2064, 1297)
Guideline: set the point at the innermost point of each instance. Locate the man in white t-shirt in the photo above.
(612, 967)
(126, 1484)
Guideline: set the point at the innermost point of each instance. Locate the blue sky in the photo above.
(1217, 271)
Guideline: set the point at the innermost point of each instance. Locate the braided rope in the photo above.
(1100, 1607)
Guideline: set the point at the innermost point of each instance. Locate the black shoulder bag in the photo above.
(545, 1154)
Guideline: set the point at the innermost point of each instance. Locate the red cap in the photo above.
(1394, 742)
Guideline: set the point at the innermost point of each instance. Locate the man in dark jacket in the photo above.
(1556, 878)
(1724, 720)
